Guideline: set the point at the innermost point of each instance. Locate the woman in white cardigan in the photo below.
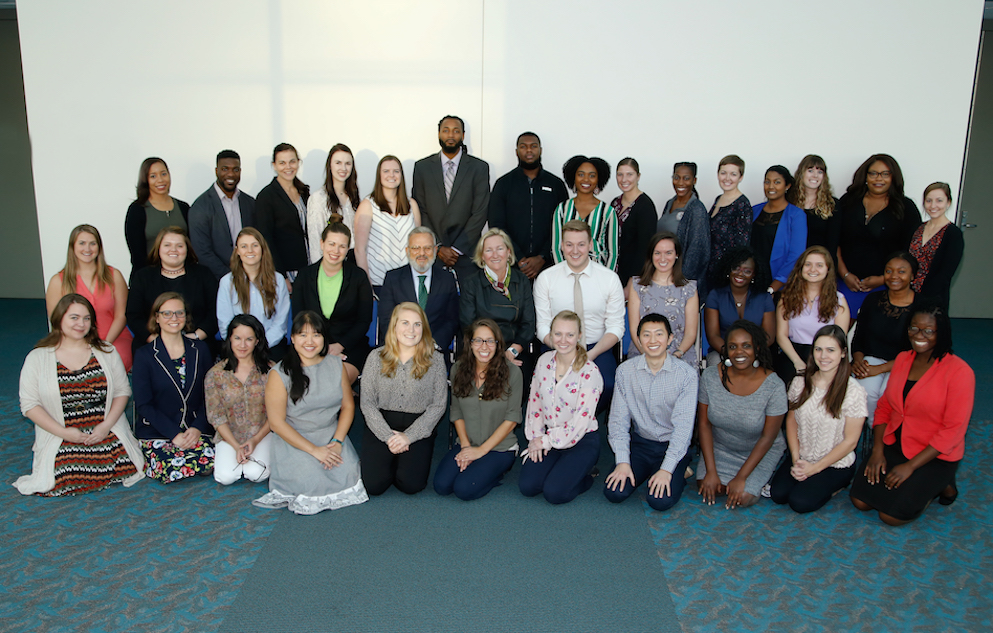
(74, 388)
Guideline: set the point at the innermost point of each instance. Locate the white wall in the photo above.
(110, 82)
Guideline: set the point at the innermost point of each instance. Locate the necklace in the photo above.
(174, 273)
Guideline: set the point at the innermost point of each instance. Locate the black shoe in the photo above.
(595, 472)
(948, 496)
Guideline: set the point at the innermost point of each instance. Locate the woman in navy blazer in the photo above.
(341, 292)
(168, 376)
(779, 229)
(281, 212)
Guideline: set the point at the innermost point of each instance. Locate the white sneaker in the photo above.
(767, 491)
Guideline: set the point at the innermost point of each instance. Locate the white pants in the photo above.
(227, 470)
(874, 387)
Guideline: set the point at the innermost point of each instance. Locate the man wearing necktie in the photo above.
(423, 281)
(453, 192)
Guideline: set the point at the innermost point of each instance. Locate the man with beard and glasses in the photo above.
(423, 281)
(219, 214)
(522, 204)
(453, 192)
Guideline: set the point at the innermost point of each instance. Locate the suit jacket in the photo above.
(278, 220)
(210, 232)
(515, 316)
(458, 222)
(443, 301)
(165, 407)
(352, 315)
(935, 413)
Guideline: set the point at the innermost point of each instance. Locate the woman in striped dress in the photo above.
(383, 222)
(587, 177)
(74, 388)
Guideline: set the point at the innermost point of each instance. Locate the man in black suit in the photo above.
(439, 299)
(453, 192)
(219, 214)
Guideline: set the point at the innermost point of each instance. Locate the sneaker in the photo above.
(767, 491)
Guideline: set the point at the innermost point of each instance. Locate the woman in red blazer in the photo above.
(920, 424)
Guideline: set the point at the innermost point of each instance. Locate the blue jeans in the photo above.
(646, 459)
(562, 474)
(477, 480)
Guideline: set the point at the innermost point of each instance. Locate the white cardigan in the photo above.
(39, 387)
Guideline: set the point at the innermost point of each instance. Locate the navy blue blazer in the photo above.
(443, 301)
(165, 408)
(210, 231)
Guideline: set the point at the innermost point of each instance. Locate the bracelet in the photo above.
(846, 275)
(334, 439)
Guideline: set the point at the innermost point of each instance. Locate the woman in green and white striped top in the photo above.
(587, 177)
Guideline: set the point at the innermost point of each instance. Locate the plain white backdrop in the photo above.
(110, 82)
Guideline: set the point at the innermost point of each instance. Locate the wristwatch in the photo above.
(513, 350)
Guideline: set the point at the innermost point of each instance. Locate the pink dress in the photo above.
(103, 304)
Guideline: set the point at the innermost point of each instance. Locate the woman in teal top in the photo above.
(340, 291)
(587, 177)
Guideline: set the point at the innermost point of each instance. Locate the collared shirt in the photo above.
(232, 209)
(416, 276)
(603, 300)
(659, 407)
(455, 159)
(561, 413)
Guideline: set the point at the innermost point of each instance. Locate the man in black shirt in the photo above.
(522, 203)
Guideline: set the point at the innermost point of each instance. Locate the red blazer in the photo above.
(937, 410)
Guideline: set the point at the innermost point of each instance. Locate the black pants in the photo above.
(813, 492)
(407, 471)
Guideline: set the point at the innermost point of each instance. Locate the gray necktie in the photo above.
(449, 179)
(577, 299)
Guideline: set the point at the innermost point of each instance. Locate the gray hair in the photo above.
(423, 230)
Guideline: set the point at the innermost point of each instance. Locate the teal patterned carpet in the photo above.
(196, 556)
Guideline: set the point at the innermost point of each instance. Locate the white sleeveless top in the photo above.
(387, 243)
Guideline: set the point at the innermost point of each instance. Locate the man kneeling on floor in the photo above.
(651, 419)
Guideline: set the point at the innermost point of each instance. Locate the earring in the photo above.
(727, 362)
(755, 363)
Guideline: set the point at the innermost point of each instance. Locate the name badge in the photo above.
(543, 188)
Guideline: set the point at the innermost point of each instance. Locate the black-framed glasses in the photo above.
(171, 313)
(927, 332)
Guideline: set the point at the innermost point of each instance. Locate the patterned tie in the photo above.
(449, 179)
(422, 292)
(577, 299)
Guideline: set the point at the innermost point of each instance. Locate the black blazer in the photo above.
(210, 231)
(198, 286)
(134, 231)
(515, 316)
(443, 302)
(165, 408)
(349, 322)
(278, 220)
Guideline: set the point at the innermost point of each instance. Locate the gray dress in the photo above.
(737, 423)
(299, 481)
(670, 302)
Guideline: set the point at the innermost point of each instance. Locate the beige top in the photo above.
(817, 432)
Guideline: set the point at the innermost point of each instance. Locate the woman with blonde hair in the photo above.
(560, 425)
(74, 388)
(404, 394)
(809, 301)
(812, 193)
(86, 273)
(253, 287)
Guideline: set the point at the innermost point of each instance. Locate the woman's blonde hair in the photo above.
(569, 315)
(265, 281)
(389, 353)
(104, 276)
(824, 200)
(477, 257)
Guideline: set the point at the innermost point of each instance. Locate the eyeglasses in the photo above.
(419, 249)
(927, 332)
(170, 313)
(478, 342)
(879, 174)
(253, 460)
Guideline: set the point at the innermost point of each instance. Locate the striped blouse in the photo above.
(387, 243)
(602, 221)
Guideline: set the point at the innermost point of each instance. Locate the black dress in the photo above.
(198, 286)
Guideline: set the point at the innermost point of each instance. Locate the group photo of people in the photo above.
(791, 348)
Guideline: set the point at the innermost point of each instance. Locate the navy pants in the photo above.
(562, 475)
(811, 493)
(477, 480)
(646, 459)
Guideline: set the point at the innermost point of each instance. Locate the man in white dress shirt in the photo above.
(599, 288)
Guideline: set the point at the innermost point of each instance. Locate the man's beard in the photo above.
(447, 149)
(529, 166)
(413, 264)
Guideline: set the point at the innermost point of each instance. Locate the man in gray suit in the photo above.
(453, 192)
(219, 214)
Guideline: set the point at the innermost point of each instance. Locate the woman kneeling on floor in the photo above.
(827, 410)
